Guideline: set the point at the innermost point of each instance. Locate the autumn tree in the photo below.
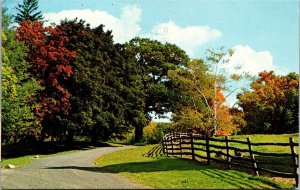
(195, 109)
(272, 104)
(18, 88)
(51, 64)
(202, 85)
(28, 10)
(154, 60)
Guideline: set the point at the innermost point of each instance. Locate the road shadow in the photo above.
(171, 164)
(45, 148)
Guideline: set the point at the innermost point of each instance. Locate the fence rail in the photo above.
(184, 144)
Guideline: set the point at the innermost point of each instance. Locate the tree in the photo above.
(28, 11)
(216, 59)
(18, 88)
(51, 64)
(154, 60)
(195, 109)
(104, 87)
(201, 85)
(272, 105)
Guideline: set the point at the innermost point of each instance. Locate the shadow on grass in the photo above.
(172, 164)
(155, 152)
(45, 148)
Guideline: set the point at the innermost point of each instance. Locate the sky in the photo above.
(264, 34)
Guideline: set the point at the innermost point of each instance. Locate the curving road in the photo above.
(69, 171)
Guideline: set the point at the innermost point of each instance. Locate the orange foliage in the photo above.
(225, 123)
(51, 63)
(271, 87)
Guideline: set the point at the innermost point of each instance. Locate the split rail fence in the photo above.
(202, 147)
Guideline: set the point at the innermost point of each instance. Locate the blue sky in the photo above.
(270, 26)
(263, 33)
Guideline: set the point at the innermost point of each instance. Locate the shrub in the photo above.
(154, 132)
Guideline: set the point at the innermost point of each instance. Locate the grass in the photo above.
(283, 164)
(23, 160)
(22, 154)
(172, 172)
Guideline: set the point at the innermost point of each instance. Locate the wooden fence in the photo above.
(202, 147)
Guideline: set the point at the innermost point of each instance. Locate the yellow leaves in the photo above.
(150, 127)
(9, 79)
(4, 38)
(188, 119)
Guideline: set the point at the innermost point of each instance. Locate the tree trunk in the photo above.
(138, 134)
(70, 135)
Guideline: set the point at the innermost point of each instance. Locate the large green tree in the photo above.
(104, 95)
(28, 10)
(154, 60)
(272, 104)
(18, 88)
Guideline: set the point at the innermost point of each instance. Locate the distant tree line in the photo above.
(70, 79)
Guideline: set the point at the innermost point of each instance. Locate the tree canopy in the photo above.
(272, 104)
(18, 87)
(104, 86)
(154, 59)
(51, 64)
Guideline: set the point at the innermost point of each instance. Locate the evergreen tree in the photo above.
(28, 11)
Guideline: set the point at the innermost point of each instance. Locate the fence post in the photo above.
(252, 157)
(192, 146)
(207, 150)
(167, 145)
(227, 152)
(295, 161)
(163, 145)
(172, 145)
(180, 140)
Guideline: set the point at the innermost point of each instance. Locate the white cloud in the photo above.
(167, 117)
(123, 28)
(252, 61)
(189, 38)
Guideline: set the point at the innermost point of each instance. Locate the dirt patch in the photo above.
(289, 181)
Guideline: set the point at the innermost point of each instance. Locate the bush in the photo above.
(154, 132)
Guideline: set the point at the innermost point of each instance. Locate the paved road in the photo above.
(69, 171)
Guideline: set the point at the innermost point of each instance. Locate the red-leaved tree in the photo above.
(51, 63)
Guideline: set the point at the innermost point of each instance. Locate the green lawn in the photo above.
(283, 164)
(171, 172)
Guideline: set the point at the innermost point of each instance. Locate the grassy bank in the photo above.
(22, 154)
(23, 160)
(170, 172)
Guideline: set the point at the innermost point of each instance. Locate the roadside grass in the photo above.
(24, 160)
(22, 154)
(172, 172)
